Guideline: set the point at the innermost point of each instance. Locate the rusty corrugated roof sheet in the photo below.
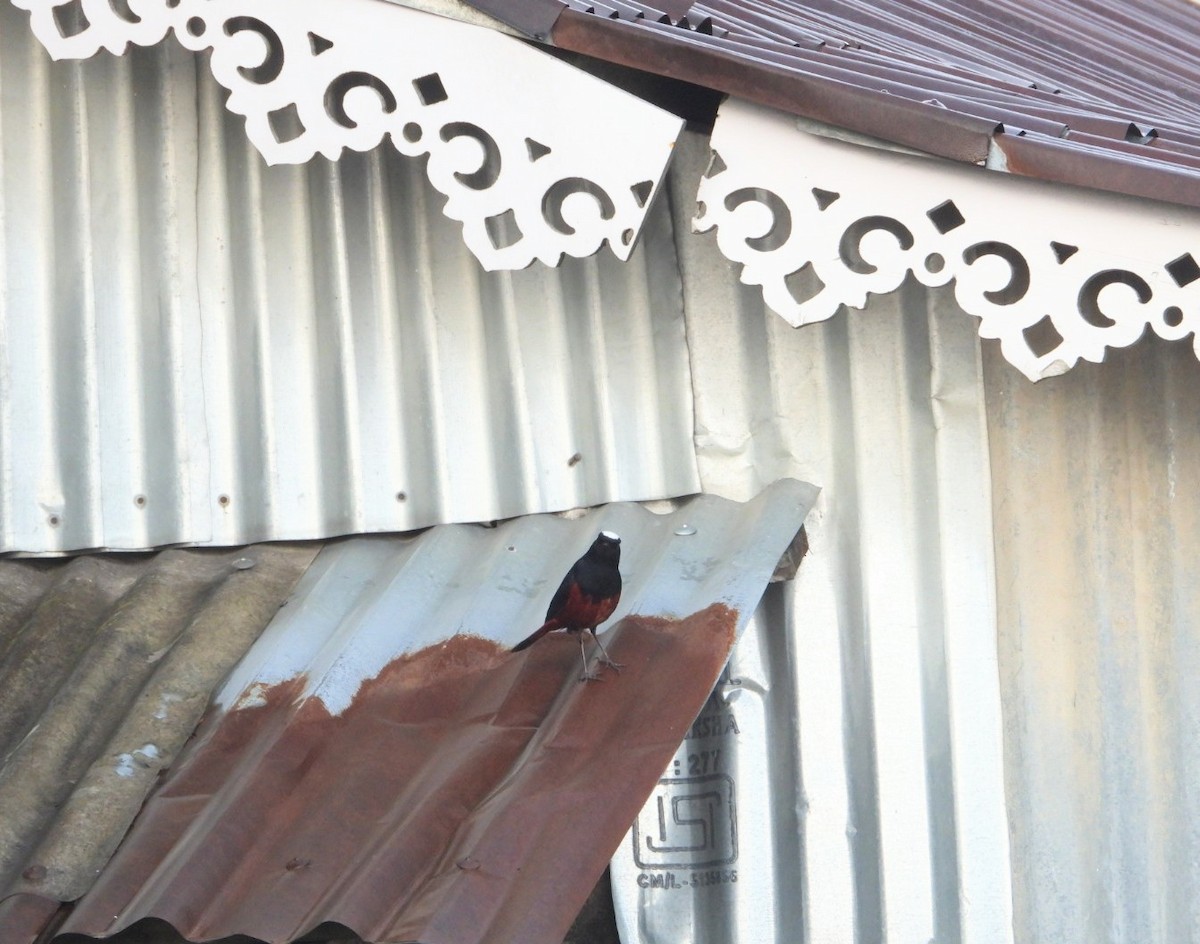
(1100, 93)
(380, 759)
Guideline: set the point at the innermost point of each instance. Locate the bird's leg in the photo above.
(604, 656)
(587, 676)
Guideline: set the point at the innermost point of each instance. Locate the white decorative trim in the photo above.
(536, 158)
(1056, 273)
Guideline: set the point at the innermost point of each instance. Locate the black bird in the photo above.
(586, 597)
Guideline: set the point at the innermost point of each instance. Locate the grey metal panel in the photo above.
(196, 348)
(865, 693)
(1097, 523)
(106, 665)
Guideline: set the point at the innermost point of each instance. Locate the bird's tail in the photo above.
(546, 627)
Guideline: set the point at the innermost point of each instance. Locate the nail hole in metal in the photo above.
(35, 873)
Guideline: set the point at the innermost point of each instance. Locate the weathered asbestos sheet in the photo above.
(107, 663)
(381, 759)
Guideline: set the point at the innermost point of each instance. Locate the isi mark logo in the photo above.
(686, 835)
(688, 824)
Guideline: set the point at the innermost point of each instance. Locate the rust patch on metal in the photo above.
(25, 918)
(467, 794)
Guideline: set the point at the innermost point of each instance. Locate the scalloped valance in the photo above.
(1056, 273)
(537, 159)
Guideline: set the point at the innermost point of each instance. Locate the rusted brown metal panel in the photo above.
(469, 787)
(382, 760)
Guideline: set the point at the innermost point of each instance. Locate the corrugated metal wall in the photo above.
(874, 673)
(867, 692)
(197, 348)
(1098, 575)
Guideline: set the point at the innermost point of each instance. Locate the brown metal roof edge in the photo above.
(1070, 161)
(939, 131)
(686, 56)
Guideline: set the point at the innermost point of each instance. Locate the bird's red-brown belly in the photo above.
(582, 611)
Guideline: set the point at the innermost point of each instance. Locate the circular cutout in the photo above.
(1173, 316)
(412, 132)
(934, 262)
(196, 26)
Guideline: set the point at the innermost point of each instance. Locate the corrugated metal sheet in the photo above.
(1097, 521)
(865, 694)
(1099, 93)
(106, 665)
(196, 348)
(379, 758)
